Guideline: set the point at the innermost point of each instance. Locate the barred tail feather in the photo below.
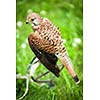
(68, 64)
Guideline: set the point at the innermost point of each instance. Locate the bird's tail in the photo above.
(68, 64)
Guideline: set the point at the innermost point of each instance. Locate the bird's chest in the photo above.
(49, 33)
(48, 39)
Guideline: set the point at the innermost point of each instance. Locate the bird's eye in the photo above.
(32, 19)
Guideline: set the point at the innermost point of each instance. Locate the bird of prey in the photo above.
(47, 44)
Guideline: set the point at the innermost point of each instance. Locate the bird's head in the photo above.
(34, 19)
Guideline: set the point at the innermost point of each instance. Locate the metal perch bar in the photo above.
(28, 76)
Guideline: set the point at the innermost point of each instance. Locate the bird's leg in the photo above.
(45, 81)
(50, 82)
(30, 71)
(34, 61)
(42, 75)
(38, 77)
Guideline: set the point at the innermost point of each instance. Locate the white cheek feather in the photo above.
(36, 22)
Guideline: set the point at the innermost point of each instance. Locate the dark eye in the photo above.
(32, 19)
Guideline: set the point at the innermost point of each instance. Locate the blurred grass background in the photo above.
(68, 16)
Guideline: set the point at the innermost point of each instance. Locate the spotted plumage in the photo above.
(46, 37)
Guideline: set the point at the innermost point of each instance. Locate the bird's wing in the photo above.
(42, 43)
(48, 60)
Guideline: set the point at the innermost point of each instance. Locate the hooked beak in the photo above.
(27, 22)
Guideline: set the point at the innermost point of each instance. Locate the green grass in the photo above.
(67, 15)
